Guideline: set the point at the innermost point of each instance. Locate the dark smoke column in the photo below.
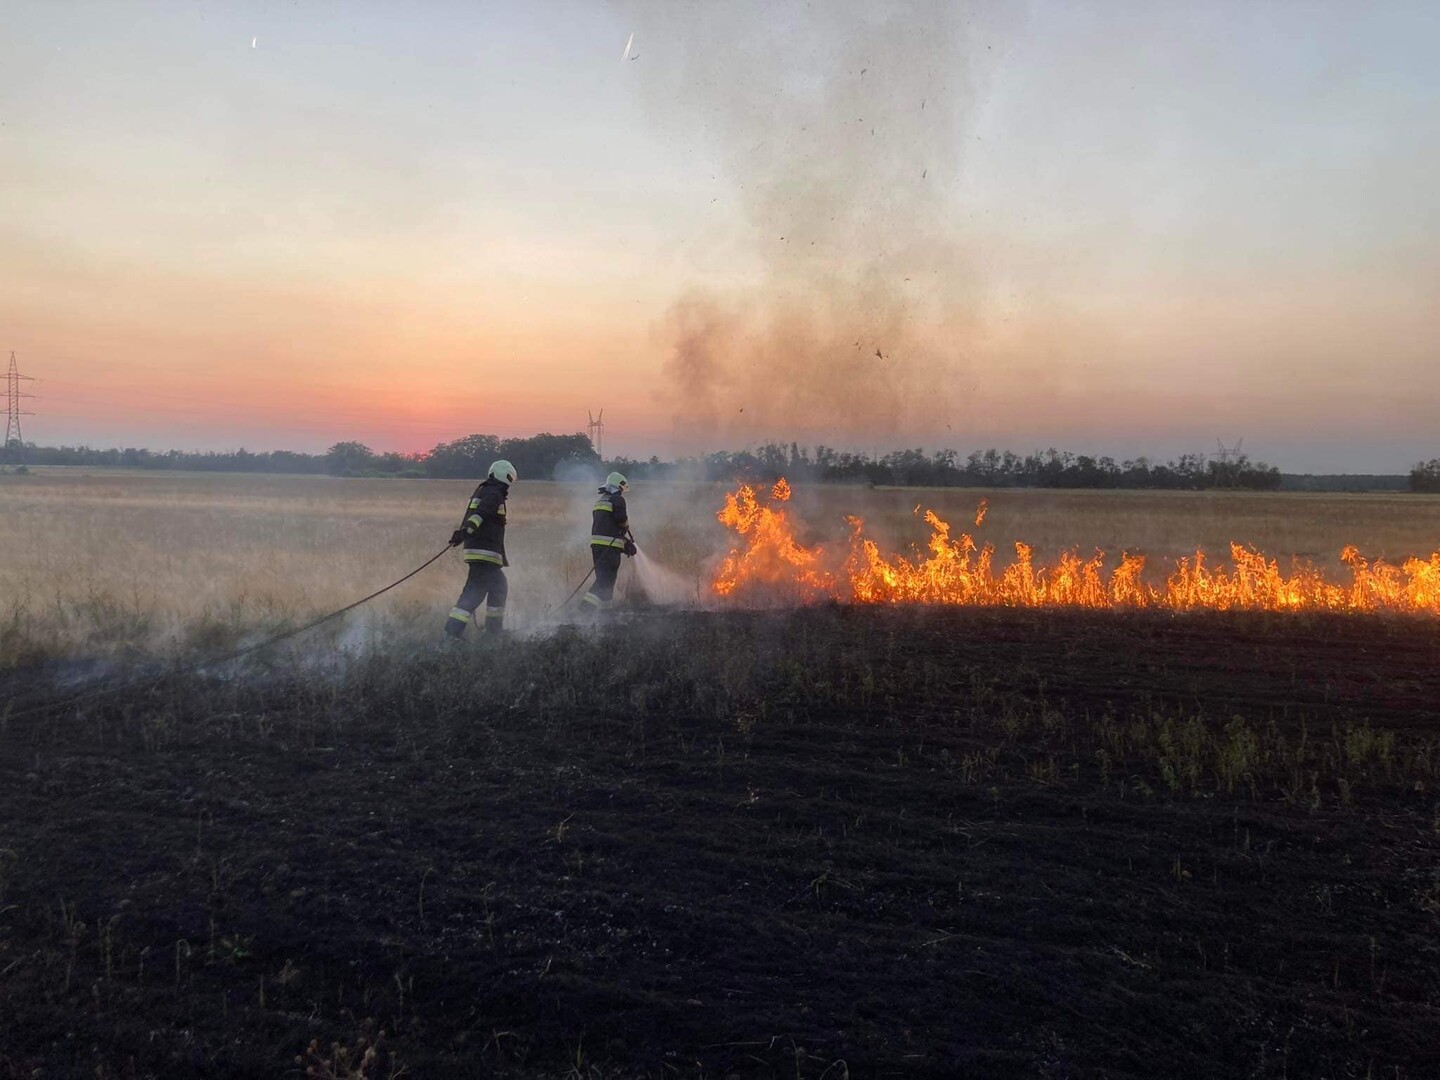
(839, 129)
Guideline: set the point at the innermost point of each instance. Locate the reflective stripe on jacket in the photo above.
(608, 522)
(484, 523)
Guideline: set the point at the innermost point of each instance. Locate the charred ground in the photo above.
(997, 843)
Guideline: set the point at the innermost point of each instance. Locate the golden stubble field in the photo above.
(98, 563)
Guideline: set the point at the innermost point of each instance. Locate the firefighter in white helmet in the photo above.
(483, 533)
(609, 539)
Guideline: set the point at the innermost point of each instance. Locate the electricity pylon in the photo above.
(596, 431)
(13, 438)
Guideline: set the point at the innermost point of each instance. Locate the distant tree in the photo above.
(774, 459)
(539, 456)
(633, 468)
(348, 459)
(288, 461)
(1260, 477)
(1188, 473)
(1425, 476)
(467, 457)
(1136, 473)
(1239, 472)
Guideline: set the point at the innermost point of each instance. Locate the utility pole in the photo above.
(596, 430)
(1228, 452)
(13, 438)
(1231, 458)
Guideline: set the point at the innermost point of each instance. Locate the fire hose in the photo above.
(588, 575)
(224, 658)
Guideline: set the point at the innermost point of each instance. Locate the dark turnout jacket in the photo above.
(608, 522)
(484, 524)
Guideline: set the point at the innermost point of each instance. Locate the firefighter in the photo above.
(609, 539)
(483, 534)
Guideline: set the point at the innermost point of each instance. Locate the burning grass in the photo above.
(769, 562)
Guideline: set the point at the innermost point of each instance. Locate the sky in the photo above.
(1115, 228)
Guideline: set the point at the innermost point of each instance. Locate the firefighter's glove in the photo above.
(630, 548)
(457, 538)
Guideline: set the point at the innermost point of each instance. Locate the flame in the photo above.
(771, 556)
(770, 563)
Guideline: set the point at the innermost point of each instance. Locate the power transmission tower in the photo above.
(14, 442)
(1227, 453)
(596, 431)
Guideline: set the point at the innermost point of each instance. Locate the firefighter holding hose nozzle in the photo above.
(609, 539)
(483, 533)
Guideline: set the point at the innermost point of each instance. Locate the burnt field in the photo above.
(811, 844)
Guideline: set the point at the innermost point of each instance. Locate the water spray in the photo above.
(661, 584)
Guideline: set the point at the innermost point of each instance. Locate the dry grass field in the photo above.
(103, 563)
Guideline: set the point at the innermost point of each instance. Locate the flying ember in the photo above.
(768, 563)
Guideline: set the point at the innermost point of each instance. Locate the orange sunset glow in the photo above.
(267, 227)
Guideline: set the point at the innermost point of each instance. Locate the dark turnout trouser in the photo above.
(607, 569)
(486, 584)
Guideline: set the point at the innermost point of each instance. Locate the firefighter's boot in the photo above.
(456, 623)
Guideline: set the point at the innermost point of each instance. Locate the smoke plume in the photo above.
(838, 127)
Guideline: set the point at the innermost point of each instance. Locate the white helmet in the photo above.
(616, 480)
(503, 471)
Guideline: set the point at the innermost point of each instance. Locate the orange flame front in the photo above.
(771, 556)
(770, 564)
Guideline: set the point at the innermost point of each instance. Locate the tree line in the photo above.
(984, 468)
(270, 461)
(546, 456)
(538, 457)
